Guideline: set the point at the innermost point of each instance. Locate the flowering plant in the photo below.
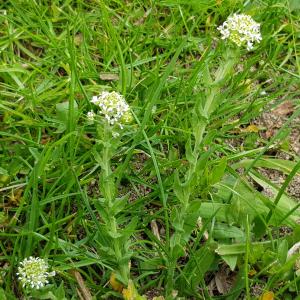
(113, 112)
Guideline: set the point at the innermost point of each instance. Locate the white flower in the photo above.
(33, 272)
(91, 115)
(95, 100)
(114, 108)
(242, 30)
(263, 93)
(115, 134)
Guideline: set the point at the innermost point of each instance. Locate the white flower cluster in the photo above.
(33, 272)
(91, 115)
(114, 108)
(242, 30)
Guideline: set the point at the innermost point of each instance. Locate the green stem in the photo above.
(108, 185)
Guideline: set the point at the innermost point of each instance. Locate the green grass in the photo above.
(90, 204)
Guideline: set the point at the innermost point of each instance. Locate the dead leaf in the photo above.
(267, 296)
(116, 285)
(154, 229)
(79, 294)
(174, 294)
(15, 197)
(3, 219)
(131, 293)
(211, 286)
(109, 76)
(252, 272)
(251, 128)
(45, 139)
(284, 108)
(221, 282)
(143, 18)
(84, 291)
(269, 133)
(78, 39)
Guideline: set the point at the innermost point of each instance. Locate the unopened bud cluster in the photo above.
(242, 30)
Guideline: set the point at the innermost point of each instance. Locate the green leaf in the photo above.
(294, 4)
(235, 249)
(259, 227)
(198, 264)
(224, 231)
(181, 191)
(177, 251)
(189, 152)
(282, 251)
(153, 263)
(62, 114)
(2, 294)
(191, 218)
(218, 171)
(285, 166)
(231, 261)
(3, 172)
(130, 228)
(285, 205)
(35, 153)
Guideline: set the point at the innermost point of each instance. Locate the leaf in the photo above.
(294, 4)
(259, 228)
(285, 205)
(267, 296)
(78, 39)
(15, 197)
(60, 292)
(191, 218)
(105, 76)
(189, 152)
(3, 171)
(131, 293)
(198, 264)
(218, 171)
(285, 166)
(236, 249)
(282, 251)
(130, 228)
(2, 294)
(181, 191)
(116, 285)
(251, 128)
(84, 291)
(3, 219)
(62, 113)
(177, 251)
(223, 281)
(223, 231)
(153, 263)
(230, 260)
(154, 229)
(35, 153)
(285, 108)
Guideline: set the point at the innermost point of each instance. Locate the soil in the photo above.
(272, 120)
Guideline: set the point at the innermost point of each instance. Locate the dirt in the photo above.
(272, 120)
